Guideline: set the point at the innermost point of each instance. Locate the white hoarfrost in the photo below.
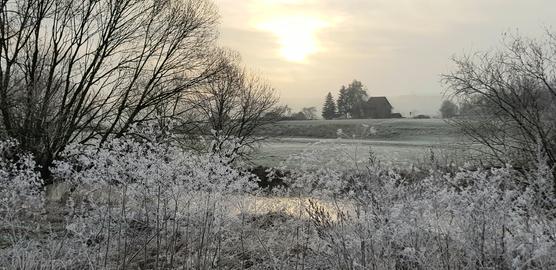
(142, 204)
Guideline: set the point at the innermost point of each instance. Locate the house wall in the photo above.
(378, 109)
(380, 112)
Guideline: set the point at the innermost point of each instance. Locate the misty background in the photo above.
(396, 48)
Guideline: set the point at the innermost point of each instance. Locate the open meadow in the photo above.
(393, 141)
(431, 130)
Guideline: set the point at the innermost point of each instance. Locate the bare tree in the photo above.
(232, 107)
(74, 71)
(310, 113)
(512, 93)
(448, 109)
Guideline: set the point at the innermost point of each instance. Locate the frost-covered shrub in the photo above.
(20, 185)
(136, 198)
(132, 204)
(495, 218)
(144, 204)
(130, 162)
(21, 200)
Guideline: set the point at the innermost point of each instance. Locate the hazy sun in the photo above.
(297, 36)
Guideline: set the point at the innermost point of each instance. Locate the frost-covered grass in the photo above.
(398, 141)
(277, 150)
(139, 205)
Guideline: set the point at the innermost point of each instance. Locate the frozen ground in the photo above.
(396, 141)
(278, 150)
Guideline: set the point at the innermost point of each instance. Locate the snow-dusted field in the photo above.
(399, 142)
(399, 152)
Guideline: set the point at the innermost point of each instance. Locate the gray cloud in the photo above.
(396, 47)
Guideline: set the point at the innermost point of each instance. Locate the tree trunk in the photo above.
(45, 162)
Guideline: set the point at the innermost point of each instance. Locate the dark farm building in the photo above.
(378, 107)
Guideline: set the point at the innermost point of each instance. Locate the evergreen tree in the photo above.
(329, 108)
(343, 108)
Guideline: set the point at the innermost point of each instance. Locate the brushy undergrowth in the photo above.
(135, 204)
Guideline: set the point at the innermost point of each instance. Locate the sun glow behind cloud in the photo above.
(297, 35)
(295, 25)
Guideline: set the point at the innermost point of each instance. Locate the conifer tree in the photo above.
(343, 107)
(329, 108)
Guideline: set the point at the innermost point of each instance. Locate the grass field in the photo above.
(398, 141)
(385, 129)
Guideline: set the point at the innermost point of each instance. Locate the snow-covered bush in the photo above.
(139, 197)
(493, 218)
(144, 203)
(20, 185)
(21, 200)
(126, 197)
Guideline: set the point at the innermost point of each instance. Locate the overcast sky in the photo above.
(307, 48)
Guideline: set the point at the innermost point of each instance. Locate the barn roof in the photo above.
(379, 102)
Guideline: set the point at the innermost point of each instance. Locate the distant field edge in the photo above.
(377, 129)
